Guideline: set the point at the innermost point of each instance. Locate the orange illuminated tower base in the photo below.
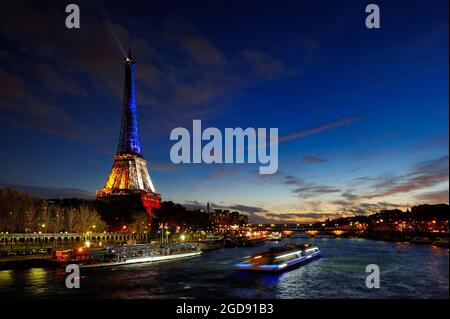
(128, 189)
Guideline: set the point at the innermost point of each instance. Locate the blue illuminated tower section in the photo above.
(130, 140)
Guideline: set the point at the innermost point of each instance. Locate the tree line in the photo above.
(21, 213)
(175, 215)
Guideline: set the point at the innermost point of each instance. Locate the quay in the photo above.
(61, 240)
(24, 250)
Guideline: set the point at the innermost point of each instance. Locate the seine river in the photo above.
(407, 271)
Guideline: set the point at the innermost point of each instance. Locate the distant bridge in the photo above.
(289, 229)
(313, 232)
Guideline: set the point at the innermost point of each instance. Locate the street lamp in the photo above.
(167, 236)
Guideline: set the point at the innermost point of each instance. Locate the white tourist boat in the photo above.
(137, 260)
(280, 258)
(126, 255)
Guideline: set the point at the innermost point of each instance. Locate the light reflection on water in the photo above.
(6, 277)
(407, 271)
(38, 279)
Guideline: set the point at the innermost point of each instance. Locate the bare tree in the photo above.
(89, 219)
(12, 221)
(30, 218)
(44, 219)
(85, 218)
(15, 210)
(58, 219)
(71, 219)
(140, 222)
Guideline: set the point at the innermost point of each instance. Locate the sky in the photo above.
(362, 114)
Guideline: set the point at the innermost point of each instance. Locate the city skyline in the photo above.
(364, 134)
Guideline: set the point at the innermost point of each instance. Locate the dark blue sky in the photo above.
(364, 113)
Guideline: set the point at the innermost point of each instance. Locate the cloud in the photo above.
(349, 196)
(271, 217)
(246, 209)
(58, 82)
(261, 215)
(423, 175)
(162, 167)
(350, 208)
(418, 179)
(318, 129)
(263, 64)
(197, 81)
(310, 190)
(436, 197)
(52, 192)
(222, 172)
(362, 179)
(313, 159)
(33, 112)
(88, 50)
(11, 85)
(310, 48)
(202, 51)
(193, 204)
(304, 189)
(206, 182)
(292, 180)
(49, 67)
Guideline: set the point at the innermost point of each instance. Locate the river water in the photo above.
(406, 271)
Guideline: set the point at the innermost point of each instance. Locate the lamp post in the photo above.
(26, 240)
(42, 232)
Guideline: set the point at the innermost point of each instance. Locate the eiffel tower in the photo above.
(128, 187)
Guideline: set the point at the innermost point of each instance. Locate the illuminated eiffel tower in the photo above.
(128, 187)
